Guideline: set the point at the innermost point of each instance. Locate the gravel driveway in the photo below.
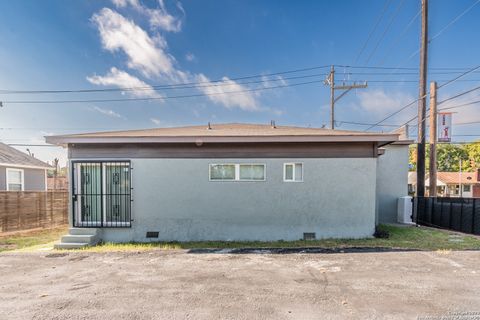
(181, 285)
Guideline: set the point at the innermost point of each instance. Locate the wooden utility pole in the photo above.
(331, 81)
(332, 97)
(422, 102)
(433, 140)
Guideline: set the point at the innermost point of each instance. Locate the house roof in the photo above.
(12, 157)
(444, 178)
(232, 132)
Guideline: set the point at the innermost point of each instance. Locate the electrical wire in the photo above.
(397, 11)
(382, 14)
(158, 98)
(157, 87)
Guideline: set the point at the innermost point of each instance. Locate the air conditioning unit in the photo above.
(404, 210)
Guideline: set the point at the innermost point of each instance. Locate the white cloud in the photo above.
(158, 18)
(377, 103)
(145, 53)
(155, 121)
(273, 81)
(222, 93)
(148, 55)
(190, 57)
(108, 112)
(125, 80)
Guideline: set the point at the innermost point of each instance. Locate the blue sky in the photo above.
(62, 45)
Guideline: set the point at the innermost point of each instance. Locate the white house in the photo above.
(233, 182)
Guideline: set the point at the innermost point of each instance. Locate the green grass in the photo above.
(30, 239)
(420, 238)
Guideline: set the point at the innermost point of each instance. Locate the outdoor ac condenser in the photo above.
(404, 210)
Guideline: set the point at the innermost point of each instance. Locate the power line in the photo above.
(397, 11)
(398, 38)
(423, 96)
(380, 17)
(458, 95)
(453, 21)
(158, 98)
(448, 25)
(218, 83)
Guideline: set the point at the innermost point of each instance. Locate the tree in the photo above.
(473, 151)
(448, 157)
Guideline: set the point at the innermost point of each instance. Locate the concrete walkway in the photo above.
(181, 285)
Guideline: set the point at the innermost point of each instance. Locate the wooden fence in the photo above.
(32, 209)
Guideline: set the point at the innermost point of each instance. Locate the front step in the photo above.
(79, 238)
(70, 245)
(83, 231)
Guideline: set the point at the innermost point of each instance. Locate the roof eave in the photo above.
(65, 140)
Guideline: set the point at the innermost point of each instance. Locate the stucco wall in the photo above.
(392, 181)
(34, 179)
(176, 198)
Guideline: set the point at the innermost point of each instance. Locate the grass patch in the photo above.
(26, 239)
(420, 238)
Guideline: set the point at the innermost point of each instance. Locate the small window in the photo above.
(15, 180)
(467, 188)
(252, 172)
(222, 172)
(237, 172)
(293, 172)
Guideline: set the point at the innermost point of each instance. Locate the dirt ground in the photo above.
(182, 285)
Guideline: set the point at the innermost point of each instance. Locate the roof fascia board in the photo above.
(63, 140)
(16, 165)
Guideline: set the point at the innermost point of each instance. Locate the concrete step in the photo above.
(69, 245)
(83, 231)
(79, 238)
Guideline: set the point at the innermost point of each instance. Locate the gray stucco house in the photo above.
(20, 171)
(232, 182)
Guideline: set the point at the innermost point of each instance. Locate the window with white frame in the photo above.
(293, 172)
(15, 179)
(237, 172)
(467, 188)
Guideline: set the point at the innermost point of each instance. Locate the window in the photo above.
(466, 188)
(15, 180)
(293, 172)
(237, 172)
(222, 172)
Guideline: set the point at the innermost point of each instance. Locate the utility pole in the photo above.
(331, 82)
(433, 139)
(422, 103)
(332, 97)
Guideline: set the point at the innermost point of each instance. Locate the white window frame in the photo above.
(237, 172)
(22, 175)
(293, 173)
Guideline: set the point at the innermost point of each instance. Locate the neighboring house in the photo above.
(234, 182)
(20, 171)
(451, 184)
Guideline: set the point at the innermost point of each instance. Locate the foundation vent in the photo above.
(152, 234)
(309, 236)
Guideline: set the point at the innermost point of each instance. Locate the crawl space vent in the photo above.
(152, 234)
(309, 236)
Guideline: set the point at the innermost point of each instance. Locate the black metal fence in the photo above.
(459, 214)
(101, 194)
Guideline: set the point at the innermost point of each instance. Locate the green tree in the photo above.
(473, 151)
(449, 156)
